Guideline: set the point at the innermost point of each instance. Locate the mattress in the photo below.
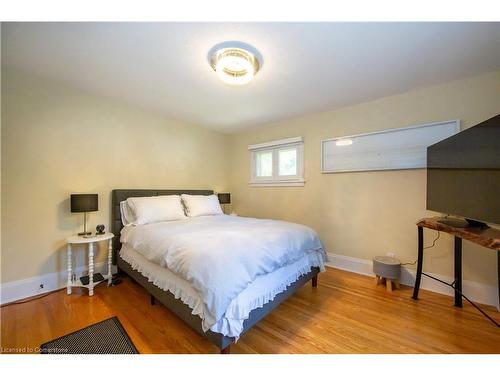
(262, 290)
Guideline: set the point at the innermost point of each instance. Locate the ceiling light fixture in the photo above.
(234, 63)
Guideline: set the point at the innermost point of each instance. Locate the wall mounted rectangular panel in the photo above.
(402, 148)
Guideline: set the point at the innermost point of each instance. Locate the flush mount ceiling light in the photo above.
(234, 63)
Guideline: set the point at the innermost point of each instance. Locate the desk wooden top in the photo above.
(488, 237)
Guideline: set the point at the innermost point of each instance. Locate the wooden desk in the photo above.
(488, 237)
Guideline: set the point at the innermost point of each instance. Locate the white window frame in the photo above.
(275, 147)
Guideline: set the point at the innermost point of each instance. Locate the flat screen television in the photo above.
(463, 175)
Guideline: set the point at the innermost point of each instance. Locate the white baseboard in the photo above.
(19, 289)
(475, 291)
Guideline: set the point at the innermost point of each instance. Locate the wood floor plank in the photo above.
(346, 313)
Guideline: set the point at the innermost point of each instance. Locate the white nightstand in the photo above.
(90, 241)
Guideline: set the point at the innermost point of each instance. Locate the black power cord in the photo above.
(465, 297)
(427, 247)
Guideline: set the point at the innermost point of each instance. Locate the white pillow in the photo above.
(154, 209)
(201, 205)
(126, 214)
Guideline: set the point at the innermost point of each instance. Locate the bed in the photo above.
(248, 307)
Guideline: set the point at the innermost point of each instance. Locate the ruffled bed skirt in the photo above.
(231, 324)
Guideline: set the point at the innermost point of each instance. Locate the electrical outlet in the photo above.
(392, 255)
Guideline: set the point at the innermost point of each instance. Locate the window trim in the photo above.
(275, 179)
(279, 142)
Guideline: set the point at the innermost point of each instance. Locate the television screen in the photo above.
(463, 173)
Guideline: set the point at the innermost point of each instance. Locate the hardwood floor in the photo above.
(346, 313)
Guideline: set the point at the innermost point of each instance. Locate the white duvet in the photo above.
(220, 255)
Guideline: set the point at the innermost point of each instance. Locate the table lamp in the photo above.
(84, 203)
(224, 199)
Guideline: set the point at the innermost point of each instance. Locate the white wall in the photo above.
(57, 140)
(364, 214)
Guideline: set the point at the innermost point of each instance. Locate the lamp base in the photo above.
(83, 234)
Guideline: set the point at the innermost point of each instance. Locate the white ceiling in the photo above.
(307, 67)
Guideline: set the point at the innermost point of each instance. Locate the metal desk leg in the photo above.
(458, 272)
(420, 262)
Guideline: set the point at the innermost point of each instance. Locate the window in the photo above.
(264, 163)
(278, 163)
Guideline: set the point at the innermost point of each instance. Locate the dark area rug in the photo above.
(106, 337)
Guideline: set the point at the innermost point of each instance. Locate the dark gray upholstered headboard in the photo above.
(119, 195)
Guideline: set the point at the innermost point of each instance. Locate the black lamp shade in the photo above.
(84, 202)
(224, 198)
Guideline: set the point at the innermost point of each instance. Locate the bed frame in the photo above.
(166, 298)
